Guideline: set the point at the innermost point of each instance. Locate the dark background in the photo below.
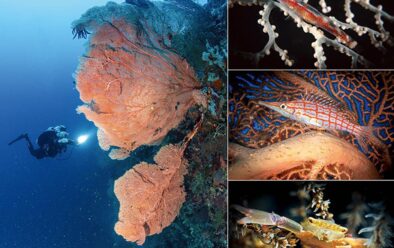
(246, 35)
(274, 196)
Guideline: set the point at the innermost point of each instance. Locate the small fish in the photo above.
(314, 17)
(323, 113)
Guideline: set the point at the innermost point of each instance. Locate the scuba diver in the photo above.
(51, 142)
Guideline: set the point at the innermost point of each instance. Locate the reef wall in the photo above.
(152, 67)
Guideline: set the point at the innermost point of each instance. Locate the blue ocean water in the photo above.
(63, 202)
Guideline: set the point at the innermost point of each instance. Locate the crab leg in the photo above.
(254, 216)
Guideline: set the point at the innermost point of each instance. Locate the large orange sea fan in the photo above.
(135, 90)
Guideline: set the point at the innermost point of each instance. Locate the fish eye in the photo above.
(283, 106)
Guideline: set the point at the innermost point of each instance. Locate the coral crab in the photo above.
(316, 233)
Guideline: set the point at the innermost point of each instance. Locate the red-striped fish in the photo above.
(314, 17)
(323, 113)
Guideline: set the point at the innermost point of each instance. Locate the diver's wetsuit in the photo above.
(48, 144)
(38, 153)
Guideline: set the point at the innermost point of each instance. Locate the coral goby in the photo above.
(312, 16)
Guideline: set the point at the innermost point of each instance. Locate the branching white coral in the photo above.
(270, 30)
(325, 8)
(318, 25)
(380, 228)
(303, 196)
(355, 215)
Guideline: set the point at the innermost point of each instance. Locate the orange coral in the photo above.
(151, 195)
(134, 90)
(306, 156)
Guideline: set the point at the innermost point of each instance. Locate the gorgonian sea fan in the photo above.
(368, 97)
(135, 90)
(151, 195)
(136, 87)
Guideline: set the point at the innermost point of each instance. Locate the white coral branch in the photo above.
(324, 7)
(382, 233)
(322, 39)
(272, 35)
(378, 37)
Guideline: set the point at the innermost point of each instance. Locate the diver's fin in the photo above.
(22, 136)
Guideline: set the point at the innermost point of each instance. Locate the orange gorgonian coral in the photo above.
(134, 89)
(137, 84)
(151, 195)
(367, 99)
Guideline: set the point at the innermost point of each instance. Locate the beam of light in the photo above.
(82, 139)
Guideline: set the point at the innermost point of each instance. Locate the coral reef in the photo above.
(252, 227)
(151, 195)
(365, 98)
(215, 56)
(206, 186)
(337, 27)
(134, 90)
(146, 78)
